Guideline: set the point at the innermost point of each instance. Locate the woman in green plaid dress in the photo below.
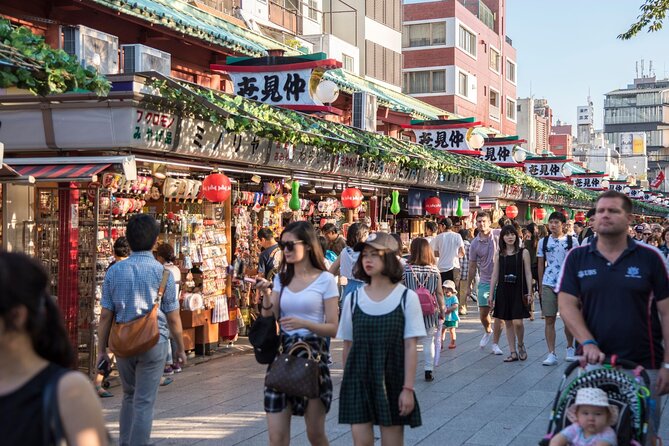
(380, 325)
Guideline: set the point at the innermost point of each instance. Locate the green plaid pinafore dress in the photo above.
(374, 372)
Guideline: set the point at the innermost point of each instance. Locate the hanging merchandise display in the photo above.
(351, 198)
(459, 212)
(511, 211)
(528, 213)
(395, 205)
(216, 187)
(433, 205)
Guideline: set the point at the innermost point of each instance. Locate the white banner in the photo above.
(446, 139)
(275, 87)
(550, 170)
(498, 154)
(583, 182)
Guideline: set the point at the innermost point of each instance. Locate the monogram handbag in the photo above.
(138, 336)
(295, 375)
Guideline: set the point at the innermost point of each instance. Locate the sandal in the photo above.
(513, 357)
(102, 393)
(522, 353)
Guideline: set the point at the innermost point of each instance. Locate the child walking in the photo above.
(380, 324)
(450, 321)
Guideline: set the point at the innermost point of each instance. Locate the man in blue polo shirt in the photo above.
(613, 296)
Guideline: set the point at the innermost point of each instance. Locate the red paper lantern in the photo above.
(511, 211)
(433, 205)
(351, 198)
(540, 213)
(565, 213)
(580, 217)
(216, 187)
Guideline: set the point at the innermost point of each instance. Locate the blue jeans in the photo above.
(140, 378)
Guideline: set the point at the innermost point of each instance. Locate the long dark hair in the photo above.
(24, 282)
(508, 229)
(356, 233)
(534, 236)
(302, 231)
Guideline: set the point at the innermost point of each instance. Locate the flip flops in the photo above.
(102, 393)
(513, 357)
(522, 353)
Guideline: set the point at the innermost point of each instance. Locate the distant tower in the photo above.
(585, 123)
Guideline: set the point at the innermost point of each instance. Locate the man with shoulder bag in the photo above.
(139, 310)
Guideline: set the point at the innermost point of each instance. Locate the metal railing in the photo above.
(286, 18)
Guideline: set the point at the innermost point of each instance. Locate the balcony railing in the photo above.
(226, 6)
(283, 17)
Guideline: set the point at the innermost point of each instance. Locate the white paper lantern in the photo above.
(566, 170)
(476, 141)
(519, 155)
(605, 184)
(327, 92)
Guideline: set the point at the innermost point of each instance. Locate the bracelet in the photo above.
(590, 342)
(267, 308)
(410, 389)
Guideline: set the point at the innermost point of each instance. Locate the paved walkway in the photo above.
(476, 399)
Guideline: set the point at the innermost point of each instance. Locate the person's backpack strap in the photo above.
(545, 242)
(163, 285)
(403, 301)
(354, 300)
(570, 242)
(54, 434)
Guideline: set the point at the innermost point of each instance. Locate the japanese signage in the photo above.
(276, 88)
(154, 129)
(498, 154)
(345, 164)
(546, 169)
(446, 139)
(633, 143)
(593, 182)
(618, 186)
(635, 193)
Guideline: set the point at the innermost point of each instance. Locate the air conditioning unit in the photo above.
(92, 47)
(364, 111)
(137, 58)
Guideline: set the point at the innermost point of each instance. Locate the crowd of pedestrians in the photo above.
(383, 306)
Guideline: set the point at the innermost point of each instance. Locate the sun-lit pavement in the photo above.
(476, 399)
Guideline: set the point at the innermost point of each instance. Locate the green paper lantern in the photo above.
(459, 212)
(528, 213)
(395, 206)
(294, 203)
(571, 214)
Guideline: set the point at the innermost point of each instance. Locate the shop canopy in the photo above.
(67, 168)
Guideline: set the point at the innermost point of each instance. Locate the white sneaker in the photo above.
(496, 350)
(570, 356)
(485, 339)
(551, 359)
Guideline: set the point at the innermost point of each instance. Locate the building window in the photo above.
(494, 104)
(416, 82)
(348, 63)
(510, 71)
(424, 34)
(495, 60)
(312, 10)
(463, 84)
(467, 41)
(511, 109)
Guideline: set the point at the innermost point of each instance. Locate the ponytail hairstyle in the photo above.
(166, 251)
(24, 282)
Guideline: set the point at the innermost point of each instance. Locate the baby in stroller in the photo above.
(591, 416)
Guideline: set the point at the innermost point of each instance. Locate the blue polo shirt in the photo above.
(618, 299)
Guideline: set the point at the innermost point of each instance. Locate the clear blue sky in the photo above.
(565, 47)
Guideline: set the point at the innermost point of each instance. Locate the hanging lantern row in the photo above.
(351, 198)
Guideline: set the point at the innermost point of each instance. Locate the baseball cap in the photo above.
(379, 240)
(449, 284)
(638, 228)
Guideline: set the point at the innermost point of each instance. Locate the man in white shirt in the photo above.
(449, 247)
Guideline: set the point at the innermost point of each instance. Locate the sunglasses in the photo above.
(289, 246)
(647, 233)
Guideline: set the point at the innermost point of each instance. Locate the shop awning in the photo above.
(60, 172)
(7, 172)
(66, 168)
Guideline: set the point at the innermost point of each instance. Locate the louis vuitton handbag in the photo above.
(138, 336)
(294, 375)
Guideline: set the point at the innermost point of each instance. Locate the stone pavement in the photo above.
(476, 399)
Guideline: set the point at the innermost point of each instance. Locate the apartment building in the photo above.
(458, 57)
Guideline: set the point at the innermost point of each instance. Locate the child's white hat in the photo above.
(592, 396)
(449, 284)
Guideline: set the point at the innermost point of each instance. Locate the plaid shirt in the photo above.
(464, 262)
(131, 287)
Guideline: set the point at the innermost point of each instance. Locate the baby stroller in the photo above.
(630, 393)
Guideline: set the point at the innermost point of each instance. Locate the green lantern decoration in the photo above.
(294, 203)
(571, 214)
(395, 205)
(528, 213)
(459, 212)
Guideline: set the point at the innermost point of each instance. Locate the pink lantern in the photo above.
(216, 187)
(511, 211)
(351, 198)
(433, 205)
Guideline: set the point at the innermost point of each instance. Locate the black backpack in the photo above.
(570, 243)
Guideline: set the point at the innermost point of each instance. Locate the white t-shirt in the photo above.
(414, 327)
(308, 303)
(176, 273)
(448, 244)
(555, 255)
(347, 259)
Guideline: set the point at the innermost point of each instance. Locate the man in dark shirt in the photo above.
(613, 296)
(336, 242)
(270, 257)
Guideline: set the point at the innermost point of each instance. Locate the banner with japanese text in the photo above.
(276, 88)
(547, 169)
(585, 181)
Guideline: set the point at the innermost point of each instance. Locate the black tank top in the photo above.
(21, 422)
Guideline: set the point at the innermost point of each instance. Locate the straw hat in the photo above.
(592, 396)
(449, 284)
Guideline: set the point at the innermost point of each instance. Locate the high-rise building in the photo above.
(585, 123)
(535, 120)
(458, 57)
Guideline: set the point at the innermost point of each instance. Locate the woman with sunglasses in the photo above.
(36, 358)
(381, 323)
(304, 300)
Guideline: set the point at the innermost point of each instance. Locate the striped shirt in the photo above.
(131, 287)
(428, 276)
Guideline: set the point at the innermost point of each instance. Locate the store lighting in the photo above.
(159, 171)
(627, 190)
(476, 141)
(566, 170)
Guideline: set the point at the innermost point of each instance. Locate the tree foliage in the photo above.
(653, 13)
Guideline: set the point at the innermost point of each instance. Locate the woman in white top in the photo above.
(357, 233)
(304, 301)
(165, 255)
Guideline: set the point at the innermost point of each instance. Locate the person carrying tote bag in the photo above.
(307, 314)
